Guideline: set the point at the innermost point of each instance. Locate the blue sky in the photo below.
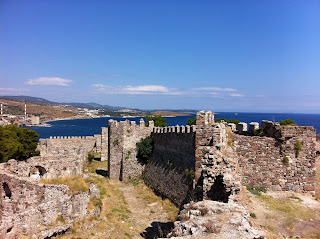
(250, 56)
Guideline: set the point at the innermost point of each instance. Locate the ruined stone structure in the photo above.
(122, 139)
(69, 145)
(28, 207)
(208, 161)
(170, 170)
(31, 208)
(220, 156)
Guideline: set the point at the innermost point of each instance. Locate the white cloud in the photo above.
(259, 96)
(236, 95)
(136, 90)
(12, 90)
(215, 89)
(49, 81)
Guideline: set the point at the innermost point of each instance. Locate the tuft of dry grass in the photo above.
(75, 183)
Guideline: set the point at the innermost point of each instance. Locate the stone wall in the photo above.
(67, 145)
(217, 175)
(171, 168)
(28, 207)
(275, 162)
(45, 167)
(104, 143)
(122, 139)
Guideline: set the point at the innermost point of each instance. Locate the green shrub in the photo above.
(298, 147)
(17, 143)
(60, 219)
(256, 190)
(190, 173)
(253, 215)
(192, 121)
(144, 149)
(285, 160)
(235, 121)
(259, 132)
(90, 157)
(158, 120)
(218, 120)
(287, 122)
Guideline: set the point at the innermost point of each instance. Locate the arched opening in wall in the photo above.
(218, 191)
(7, 190)
(42, 170)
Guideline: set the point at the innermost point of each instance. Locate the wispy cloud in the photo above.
(52, 81)
(215, 92)
(136, 90)
(237, 95)
(12, 90)
(215, 89)
(260, 96)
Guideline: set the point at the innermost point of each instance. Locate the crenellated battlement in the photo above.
(182, 129)
(72, 137)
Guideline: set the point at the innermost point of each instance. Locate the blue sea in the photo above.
(89, 127)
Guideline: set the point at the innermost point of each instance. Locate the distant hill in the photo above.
(77, 105)
(94, 106)
(28, 98)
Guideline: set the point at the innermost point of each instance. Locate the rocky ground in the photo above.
(212, 219)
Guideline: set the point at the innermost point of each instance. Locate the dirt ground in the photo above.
(285, 214)
(129, 210)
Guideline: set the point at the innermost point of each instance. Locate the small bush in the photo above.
(158, 120)
(218, 120)
(298, 147)
(90, 157)
(60, 219)
(144, 149)
(253, 215)
(259, 132)
(285, 160)
(190, 173)
(192, 121)
(287, 122)
(96, 202)
(256, 190)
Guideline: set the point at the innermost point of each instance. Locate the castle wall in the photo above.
(171, 168)
(123, 136)
(46, 167)
(263, 163)
(68, 145)
(217, 175)
(104, 143)
(27, 207)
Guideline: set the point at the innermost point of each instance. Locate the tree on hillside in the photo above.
(17, 143)
(159, 121)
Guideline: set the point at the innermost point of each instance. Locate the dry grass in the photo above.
(75, 183)
(285, 214)
(149, 197)
(94, 165)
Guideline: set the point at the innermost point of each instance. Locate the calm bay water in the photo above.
(89, 127)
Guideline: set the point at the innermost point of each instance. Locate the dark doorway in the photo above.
(42, 170)
(7, 190)
(218, 190)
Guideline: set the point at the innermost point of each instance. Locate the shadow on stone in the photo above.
(218, 191)
(102, 172)
(157, 230)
